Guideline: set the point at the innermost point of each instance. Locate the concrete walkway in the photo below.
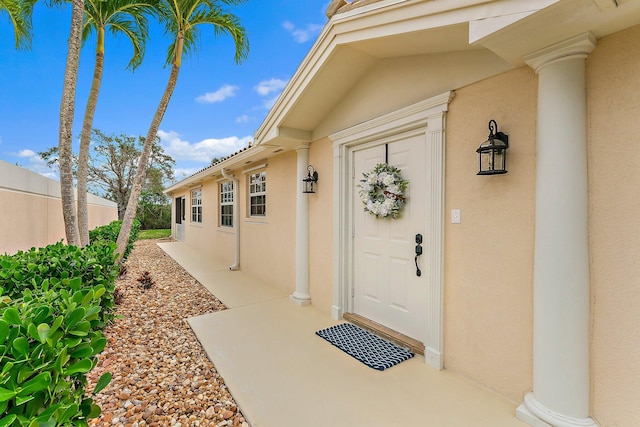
(281, 374)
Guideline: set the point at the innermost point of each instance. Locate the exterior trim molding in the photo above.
(579, 46)
(255, 168)
(532, 409)
(404, 119)
(427, 116)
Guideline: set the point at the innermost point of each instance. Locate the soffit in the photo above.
(560, 22)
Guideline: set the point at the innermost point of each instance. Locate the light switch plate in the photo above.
(455, 216)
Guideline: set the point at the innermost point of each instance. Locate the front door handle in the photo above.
(418, 253)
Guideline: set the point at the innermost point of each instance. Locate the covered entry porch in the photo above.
(281, 374)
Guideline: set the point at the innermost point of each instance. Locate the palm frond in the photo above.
(184, 18)
(127, 17)
(19, 13)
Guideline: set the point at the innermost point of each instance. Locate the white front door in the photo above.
(387, 288)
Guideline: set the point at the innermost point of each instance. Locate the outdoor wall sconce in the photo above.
(492, 154)
(309, 182)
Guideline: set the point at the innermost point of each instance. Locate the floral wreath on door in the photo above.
(382, 191)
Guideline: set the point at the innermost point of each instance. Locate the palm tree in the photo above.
(183, 20)
(19, 12)
(126, 17)
(67, 107)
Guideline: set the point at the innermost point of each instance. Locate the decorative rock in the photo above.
(154, 355)
(210, 413)
(151, 409)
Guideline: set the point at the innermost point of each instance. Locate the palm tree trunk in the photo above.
(136, 190)
(66, 123)
(85, 139)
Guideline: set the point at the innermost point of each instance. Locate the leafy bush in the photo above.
(48, 342)
(110, 233)
(54, 303)
(93, 266)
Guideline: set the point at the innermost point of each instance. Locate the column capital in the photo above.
(576, 47)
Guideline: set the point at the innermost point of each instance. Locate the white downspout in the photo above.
(236, 182)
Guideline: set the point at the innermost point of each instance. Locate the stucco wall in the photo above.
(613, 75)
(208, 236)
(489, 255)
(398, 82)
(321, 227)
(268, 244)
(31, 210)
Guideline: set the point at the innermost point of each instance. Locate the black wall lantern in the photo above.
(309, 182)
(492, 154)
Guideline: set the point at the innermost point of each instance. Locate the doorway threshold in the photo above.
(387, 333)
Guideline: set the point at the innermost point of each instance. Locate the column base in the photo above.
(535, 414)
(300, 299)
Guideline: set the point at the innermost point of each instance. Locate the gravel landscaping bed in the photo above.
(161, 373)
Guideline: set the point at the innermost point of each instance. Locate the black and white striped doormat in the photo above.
(368, 348)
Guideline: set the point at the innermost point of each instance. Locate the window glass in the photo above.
(226, 204)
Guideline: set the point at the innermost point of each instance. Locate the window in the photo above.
(179, 210)
(196, 206)
(226, 204)
(258, 194)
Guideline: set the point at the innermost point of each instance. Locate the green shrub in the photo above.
(49, 340)
(54, 303)
(93, 266)
(110, 233)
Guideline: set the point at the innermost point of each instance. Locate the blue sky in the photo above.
(216, 107)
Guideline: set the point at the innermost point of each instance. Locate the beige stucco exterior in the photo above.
(614, 227)
(489, 257)
(31, 210)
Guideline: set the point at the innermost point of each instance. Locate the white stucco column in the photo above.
(301, 294)
(560, 394)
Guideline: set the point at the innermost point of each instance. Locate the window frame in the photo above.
(257, 193)
(196, 206)
(226, 203)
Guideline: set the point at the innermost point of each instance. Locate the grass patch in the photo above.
(154, 234)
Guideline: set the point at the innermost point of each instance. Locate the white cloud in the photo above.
(226, 91)
(35, 164)
(242, 119)
(182, 173)
(272, 88)
(301, 35)
(202, 151)
(266, 87)
(268, 103)
(26, 153)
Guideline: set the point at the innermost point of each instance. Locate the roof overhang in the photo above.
(353, 42)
